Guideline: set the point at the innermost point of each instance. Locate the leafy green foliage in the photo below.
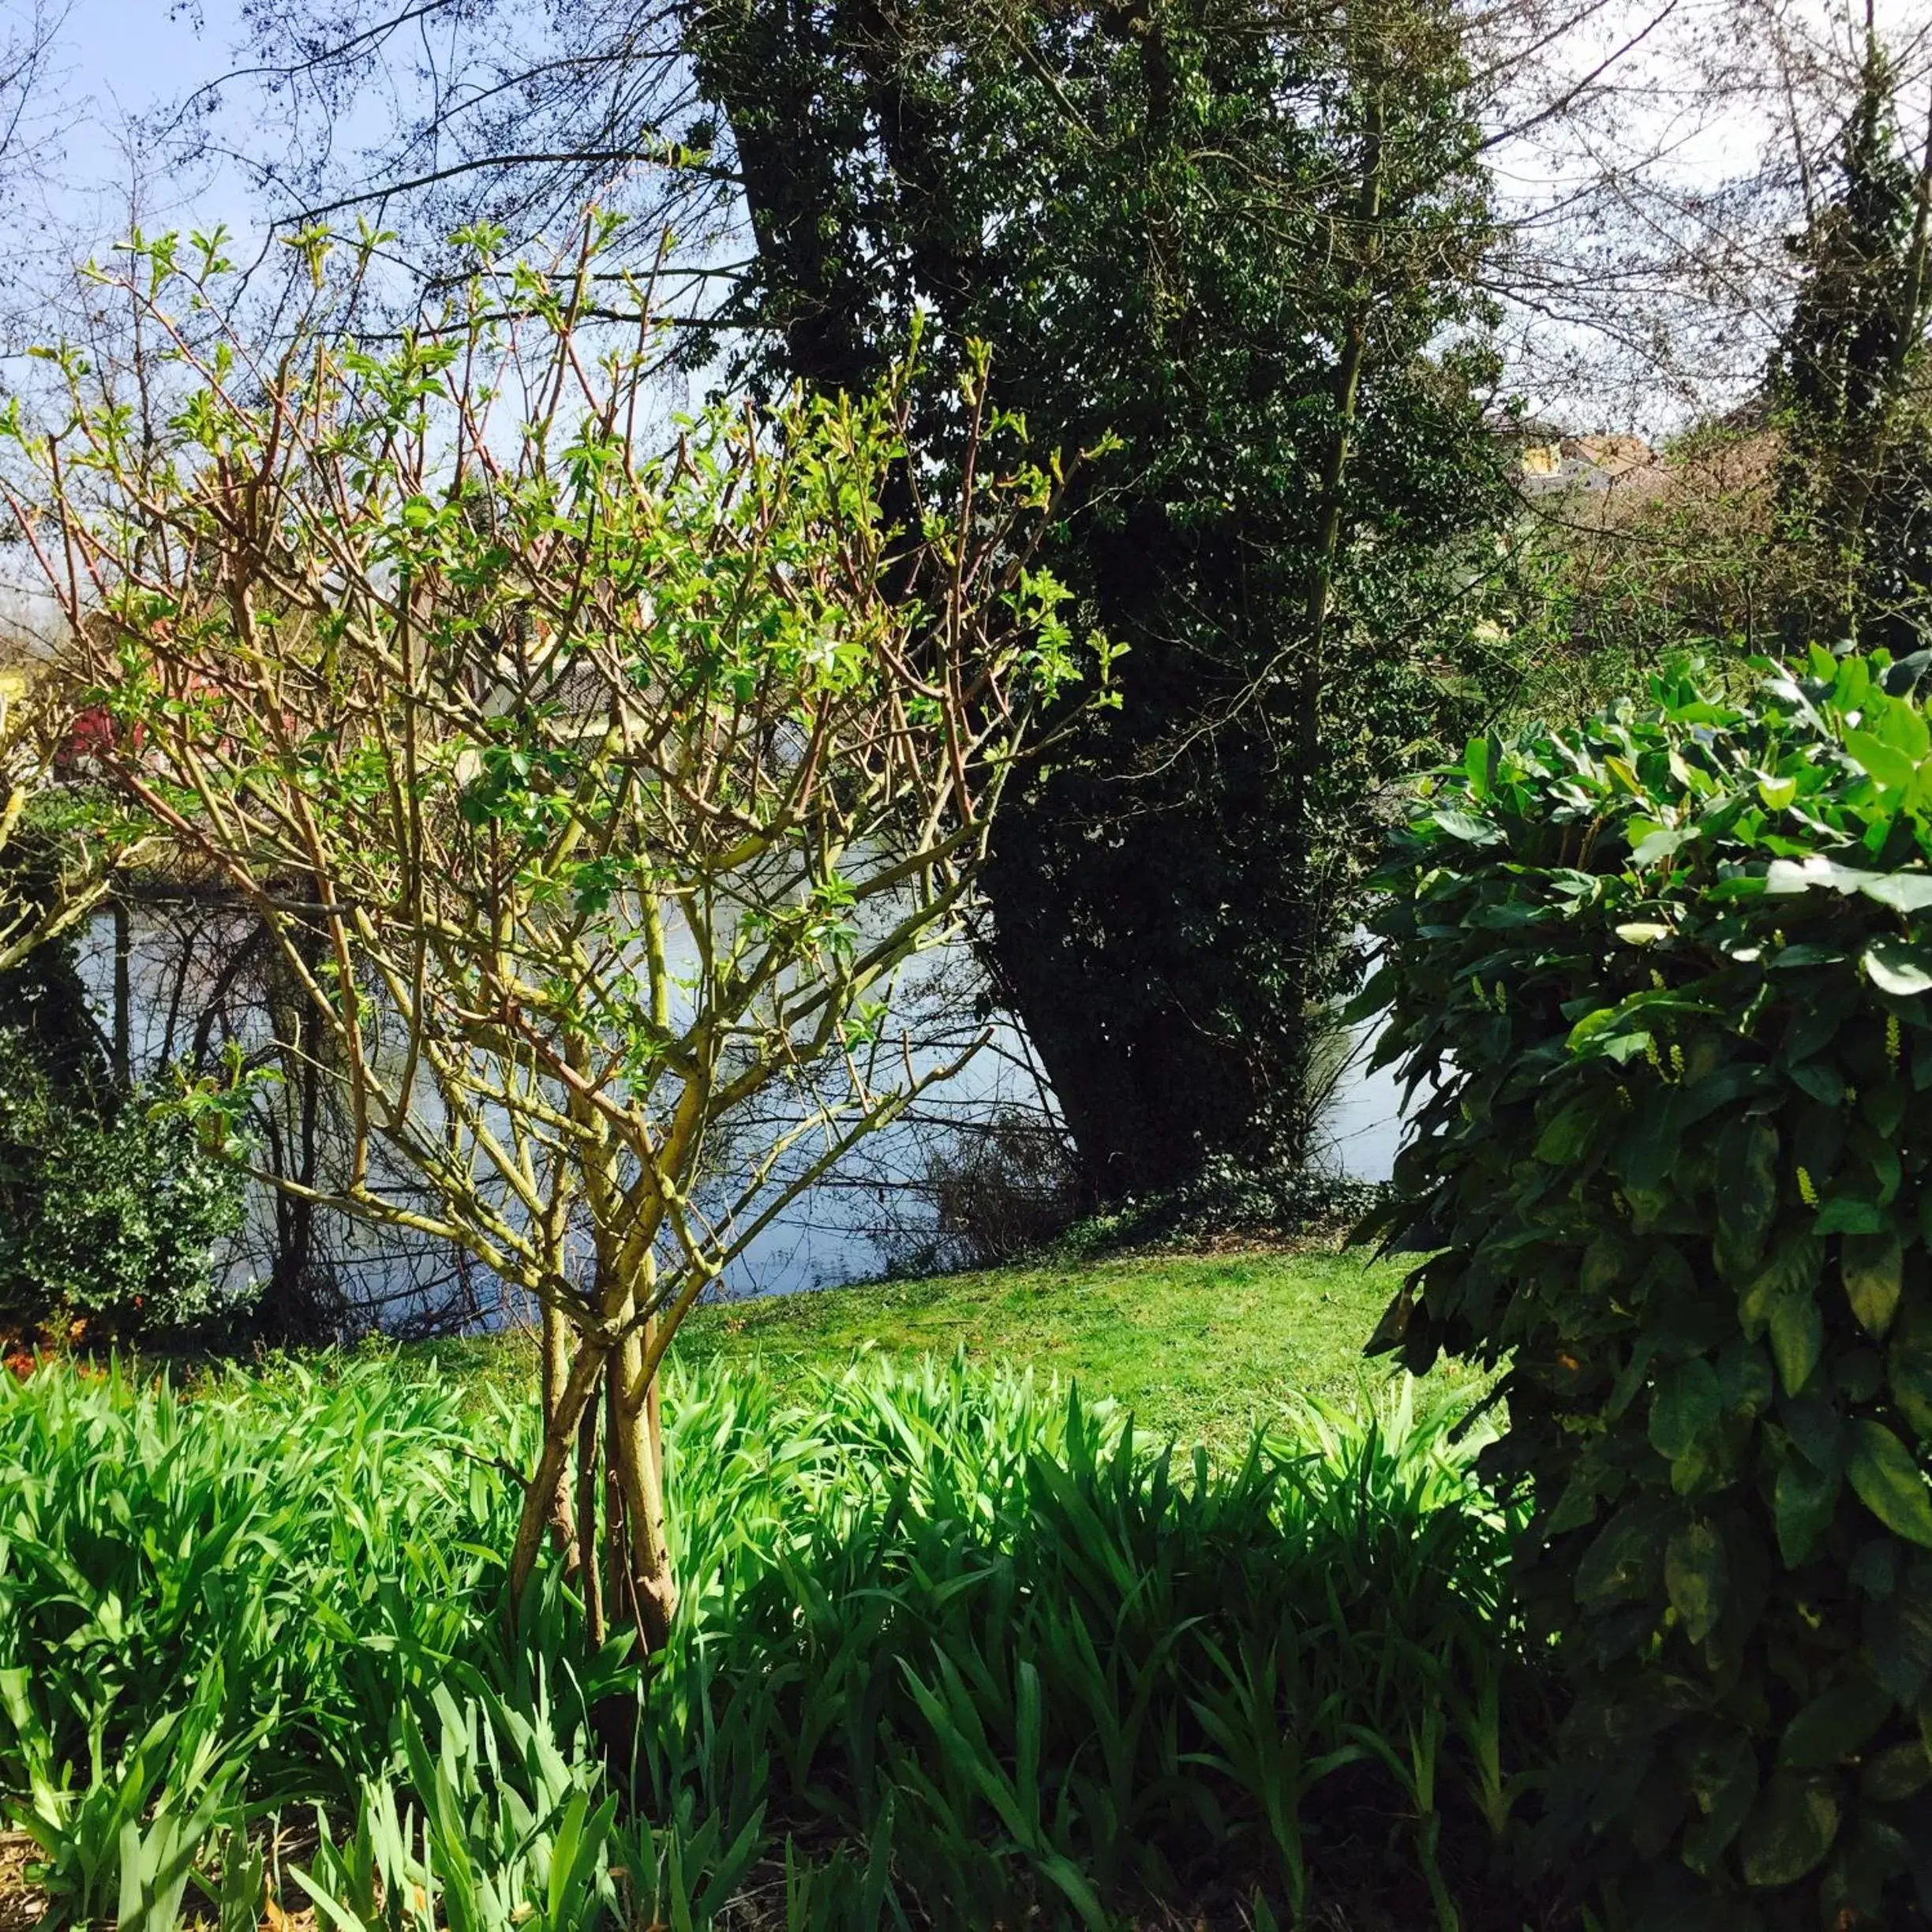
(294, 1557)
(110, 1205)
(947, 1645)
(1660, 984)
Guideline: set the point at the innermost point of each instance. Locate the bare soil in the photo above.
(22, 1906)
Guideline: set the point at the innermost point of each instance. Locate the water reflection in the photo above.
(177, 981)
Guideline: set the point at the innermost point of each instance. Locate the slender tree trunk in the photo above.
(617, 1568)
(1335, 467)
(296, 1306)
(635, 1450)
(557, 1338)
(654, 1400)
(560, 1425)
(123, 998)
(590, 1573)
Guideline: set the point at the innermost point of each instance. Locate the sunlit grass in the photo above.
(1201, 1347)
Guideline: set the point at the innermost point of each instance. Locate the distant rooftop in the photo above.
(1581, 462)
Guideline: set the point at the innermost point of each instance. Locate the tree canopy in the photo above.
(1231, 244)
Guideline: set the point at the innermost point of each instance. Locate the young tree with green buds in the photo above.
(593, 797)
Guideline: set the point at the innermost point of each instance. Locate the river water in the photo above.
(853, 1226)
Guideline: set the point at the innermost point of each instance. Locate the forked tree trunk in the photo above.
(638, 1580)
(560, 1425)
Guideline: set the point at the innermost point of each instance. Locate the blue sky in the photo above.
(116, 60)
(120, 61)
(122, 57)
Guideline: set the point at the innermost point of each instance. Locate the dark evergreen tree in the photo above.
(1855, 488)
(1238, 240)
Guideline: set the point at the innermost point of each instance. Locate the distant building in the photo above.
(1588, 464)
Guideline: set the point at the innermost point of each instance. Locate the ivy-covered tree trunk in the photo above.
(1211, 243)
(1138, 1021)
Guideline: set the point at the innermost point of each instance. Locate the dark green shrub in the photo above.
(109, 1205)
(1228, 1198)
(1661, 984)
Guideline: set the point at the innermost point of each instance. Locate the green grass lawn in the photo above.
(1199, 1347)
